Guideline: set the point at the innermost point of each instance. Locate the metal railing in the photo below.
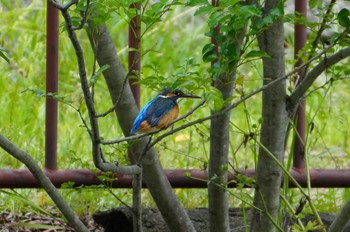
(10, 178)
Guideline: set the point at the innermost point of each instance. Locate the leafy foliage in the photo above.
(170, 59)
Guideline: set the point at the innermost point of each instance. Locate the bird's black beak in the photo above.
(189, 96)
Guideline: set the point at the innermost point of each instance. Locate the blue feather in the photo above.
(153, 111)
(142, 116)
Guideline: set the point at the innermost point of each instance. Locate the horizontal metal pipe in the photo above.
(320, 178)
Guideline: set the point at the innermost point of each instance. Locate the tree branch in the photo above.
(63, 7)
(311, 76)
(84, 14)
(341, 220)
(34, 168)
(228, 108)
(153, 174)
(95, 133)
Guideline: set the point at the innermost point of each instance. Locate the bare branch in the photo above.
(56, 4)
(342, 219)
(63, 7)
(323, 26)
(34, 168)
(83, 20)
(305, 84)
(94, 130)
(116, 102)
(228, 108)
(69, 4)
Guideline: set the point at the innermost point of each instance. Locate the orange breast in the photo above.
(169, 117)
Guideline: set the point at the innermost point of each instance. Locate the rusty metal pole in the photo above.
(134, 65)
(180, 178)
(134, 58)
(51, 87)
(300, 37)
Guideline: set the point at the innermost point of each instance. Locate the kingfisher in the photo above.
(159, 112)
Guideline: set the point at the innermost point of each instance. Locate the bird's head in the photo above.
(175, 94)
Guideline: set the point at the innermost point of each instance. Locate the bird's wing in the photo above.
(158, 109)
(142, 116)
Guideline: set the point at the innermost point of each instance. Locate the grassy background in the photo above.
(178, 37)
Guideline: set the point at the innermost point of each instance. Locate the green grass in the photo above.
(172, 41)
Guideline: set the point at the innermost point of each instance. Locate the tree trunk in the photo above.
(219, 148)
(219, 145)
(342, 219)
(126, 110)
(273, 129)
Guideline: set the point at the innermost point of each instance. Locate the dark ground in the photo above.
(120, 220)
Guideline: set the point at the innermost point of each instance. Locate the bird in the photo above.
(159, 112)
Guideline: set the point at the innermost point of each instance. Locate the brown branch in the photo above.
(95, 134)
(63, 7)
(116, 102)
(311, 76)
(45, 182)
(342, 219)
(83, 20)
(323, 25)
(228, 108)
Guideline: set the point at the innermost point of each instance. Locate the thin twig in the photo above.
(228, 108)
(145, 149)
(63, 7)
(95, 133)
(116, 102)
(83, 20)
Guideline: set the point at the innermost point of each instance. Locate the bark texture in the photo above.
(219, 148)
(273, 130)
(126, 110)
(342, 219)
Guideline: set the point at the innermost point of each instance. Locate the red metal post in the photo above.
(300, 37)
(51, 87)
(134, 53)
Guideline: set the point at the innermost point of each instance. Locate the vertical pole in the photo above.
(134, 52)
(300, 38)
(134, 61)
(51, 87)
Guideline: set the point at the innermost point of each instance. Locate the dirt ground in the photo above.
(28, 222)
(120, 220)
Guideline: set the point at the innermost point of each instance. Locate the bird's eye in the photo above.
(177, 92)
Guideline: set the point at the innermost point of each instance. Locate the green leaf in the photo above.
(97, 74)
(215, 99)
(204, 10)
(209, 53)
(59, 97)
(210, 56)
(3, 54)
(38, 92)
(208, 48)
(26, 201)
(256, 53)
(197, 2)
(312, 3)
(343, 17)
